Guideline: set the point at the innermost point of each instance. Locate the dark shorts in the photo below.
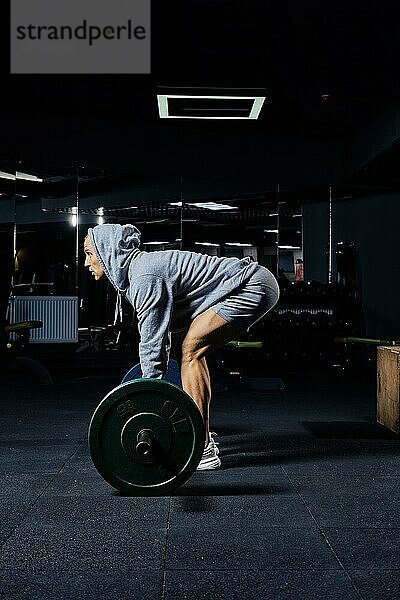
(251, 302)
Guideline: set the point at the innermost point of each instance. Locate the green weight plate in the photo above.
(177, 437)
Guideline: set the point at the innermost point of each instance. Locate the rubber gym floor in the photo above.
(306, 504)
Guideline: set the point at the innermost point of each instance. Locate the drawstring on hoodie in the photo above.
(118, 309)
(118, 313)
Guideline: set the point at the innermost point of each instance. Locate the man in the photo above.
(210, 300)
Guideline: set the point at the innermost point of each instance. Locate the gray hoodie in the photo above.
(167, 289)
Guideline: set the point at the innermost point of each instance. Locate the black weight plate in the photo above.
(178, 430)
(173, 374)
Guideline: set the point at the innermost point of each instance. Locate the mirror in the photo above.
(290, 239)
(44, 245)
(234, 226)
(267, 226)
(52, 210)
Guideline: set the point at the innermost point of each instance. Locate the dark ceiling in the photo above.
(296, 51)
(326, 68)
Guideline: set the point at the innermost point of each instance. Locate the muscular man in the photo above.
(210, 300)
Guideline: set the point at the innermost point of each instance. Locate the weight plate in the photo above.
(173, 374)
(177, 434)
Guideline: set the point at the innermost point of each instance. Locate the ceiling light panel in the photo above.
(28, 177)
(185, 106)
(4, 175)
(212, 205)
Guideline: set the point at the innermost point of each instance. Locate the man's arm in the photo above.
(153, 301)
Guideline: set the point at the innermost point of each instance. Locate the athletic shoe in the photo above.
(210, 459)
(211, 435)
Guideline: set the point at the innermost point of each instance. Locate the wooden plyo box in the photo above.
(388, 387)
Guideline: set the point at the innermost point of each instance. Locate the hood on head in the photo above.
(115, 246)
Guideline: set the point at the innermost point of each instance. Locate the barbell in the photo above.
(146, 437)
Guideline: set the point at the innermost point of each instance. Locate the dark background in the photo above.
(108, 130)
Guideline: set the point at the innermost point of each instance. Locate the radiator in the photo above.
(58, 313)
(304, 309)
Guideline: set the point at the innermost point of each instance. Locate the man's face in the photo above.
(91, 260)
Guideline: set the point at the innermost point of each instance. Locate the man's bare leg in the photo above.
(206, 333)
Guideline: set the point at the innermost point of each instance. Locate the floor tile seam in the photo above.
(344, 476)
(356, 570)
(299, 569)
(341, 487)
(328, 543)
(46, 571)
(164, 562)
(381, 528)
(14, 474)
(261, 531)
(30, 507)
(357, 528)
(10, 444)
(351, 572)
(65, 570)
(62, 529)
(349, 497)
(323, 473)
(256, 532)
(287, 478)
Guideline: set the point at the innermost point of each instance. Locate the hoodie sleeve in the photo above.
(153, 299)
